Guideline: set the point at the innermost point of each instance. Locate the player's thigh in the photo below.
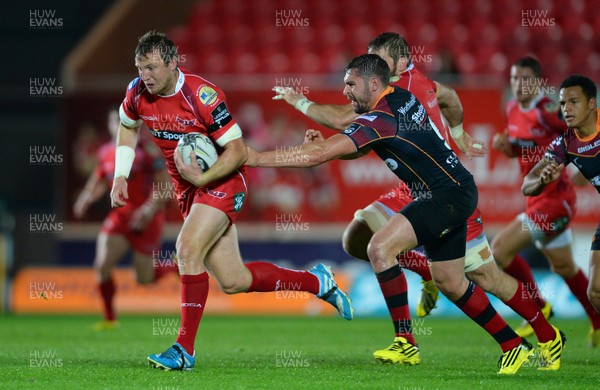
(359, 231)
(144, 267)
(595, 272)
(509, 241)
(110, 248)
(478, 253)
(202, 228)
(224, 262)
(396, 236)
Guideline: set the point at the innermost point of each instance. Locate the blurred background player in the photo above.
(138, 226)
(580, 146)
(438, 100)
(533, 123)
(172, 102)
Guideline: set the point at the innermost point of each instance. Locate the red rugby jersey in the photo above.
(197, 105)
(531, 130)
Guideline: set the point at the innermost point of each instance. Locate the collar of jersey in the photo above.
(386, 91)
(533, 103)
(179, 83)
(408, 69)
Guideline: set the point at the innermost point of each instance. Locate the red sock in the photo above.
(107, 292)
(578, 285)
(416, 262)
(520, 270)
(269, 277)
(162, 269)
(477, 306)
(532, 313)
(394, 288)
(194, 290)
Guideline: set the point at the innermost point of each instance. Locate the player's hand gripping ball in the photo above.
(206, 154)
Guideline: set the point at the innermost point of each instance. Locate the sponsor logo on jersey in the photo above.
(133, 83)
(419, 116)
(370, 118)
(207, 95)
(166, 135)
(391, 163)
(587, 147)
(238, 201)
(221, 115)
(352, 128)
(148, 118)
(216, 194)
(186, 122)
(407, 106)
(595, 181)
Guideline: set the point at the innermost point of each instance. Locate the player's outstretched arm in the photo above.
(337, 117)
(125, 154)
(450, 104)
(501, 143)
(545, 172)
(94, 188)
(145, 213)
(452, 110)
(303, 156)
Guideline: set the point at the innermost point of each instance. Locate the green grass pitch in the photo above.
(61, 352)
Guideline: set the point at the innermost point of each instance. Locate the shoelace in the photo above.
(175, 353)
(399, 346)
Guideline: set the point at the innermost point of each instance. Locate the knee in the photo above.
(594, 297)
(232, 286)
(144, 279)
(186, 252)
(380, 256)
(565, 270)
(102, 267)
(355, 240)
(452, 288)
(483, 280)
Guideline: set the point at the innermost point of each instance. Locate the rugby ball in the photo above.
(206, 153)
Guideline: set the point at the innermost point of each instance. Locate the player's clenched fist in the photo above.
(551, 172)
(313, 136)
(118, 194)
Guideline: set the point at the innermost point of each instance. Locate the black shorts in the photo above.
(440, 221)
(596, 240)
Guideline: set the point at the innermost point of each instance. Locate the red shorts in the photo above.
(551, 214)
(400, 197)
(228, 196)
(146, 241)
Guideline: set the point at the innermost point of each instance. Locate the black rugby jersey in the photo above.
(400, 132)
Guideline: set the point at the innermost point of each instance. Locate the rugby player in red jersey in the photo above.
(173, 102)
(137, 226)
(579, 145)
(532, 124)
(479, 264)
(395, 125)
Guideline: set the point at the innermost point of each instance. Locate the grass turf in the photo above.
(61, 352)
